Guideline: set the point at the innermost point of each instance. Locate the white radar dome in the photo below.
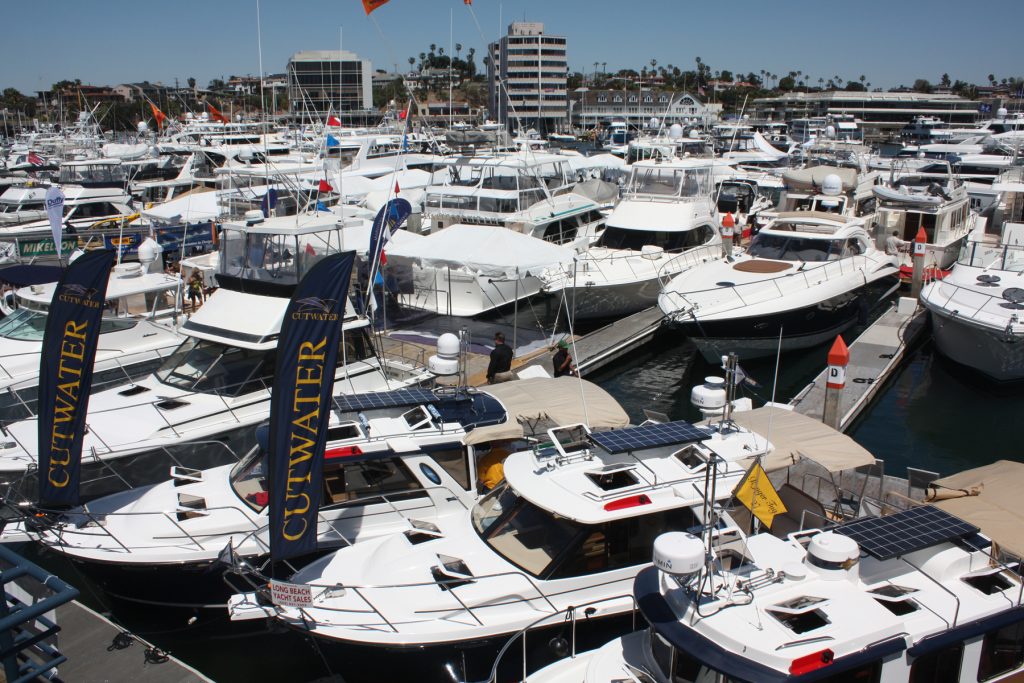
(832, 185)
(653, 123)
(446, 362)
(678, 553)
(142, 127)
(833, 555)
(675, 131)
(830, 131)
(1001, 113)
(709, 397)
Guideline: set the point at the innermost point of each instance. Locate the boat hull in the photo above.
(610, 301)
(995, 354)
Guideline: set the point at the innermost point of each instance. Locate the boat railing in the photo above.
(632, 259)
(570, 616)
(979, 254)
(979, 306)
(321, 592)
(797, 279)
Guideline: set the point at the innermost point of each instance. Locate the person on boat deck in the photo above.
(562, 361)
(498, 370)
(894, 245)
(490, 467)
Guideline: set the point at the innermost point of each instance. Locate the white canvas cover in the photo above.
(196, 207)
(794, 436)
(559, 401)
(987, 497)
(485, 250)
(126, 152)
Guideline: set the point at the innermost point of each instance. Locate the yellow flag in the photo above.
(759, 496)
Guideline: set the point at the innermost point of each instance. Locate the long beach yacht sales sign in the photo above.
(65, 374)
(300, 404)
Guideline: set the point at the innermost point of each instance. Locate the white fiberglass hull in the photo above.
(994, 353)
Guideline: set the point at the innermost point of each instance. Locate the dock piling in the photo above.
(920, 249)
(838, 360)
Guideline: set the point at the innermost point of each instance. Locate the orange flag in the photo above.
(370, 5)
(468, 2)
(158, 115)
(215, 114)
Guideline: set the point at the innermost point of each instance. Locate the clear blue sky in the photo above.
(106, 42)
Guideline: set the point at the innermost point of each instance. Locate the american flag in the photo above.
(35, 159)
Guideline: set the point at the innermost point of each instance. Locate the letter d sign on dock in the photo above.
(838, 359)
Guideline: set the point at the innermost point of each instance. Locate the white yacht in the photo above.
(393, 463)
(808, 274)
(200, 407)
(976, 309)
(572, 524)
(23, 204)
(138, 331)
(665, 224)
(937, 202)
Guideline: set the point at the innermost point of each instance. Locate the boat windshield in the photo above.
(249, 479)
(23, 325)
(209, 367)
(7, 206)
(635, 240)
(670, 182)
(527, 536)
(794, 248)
(279, 258)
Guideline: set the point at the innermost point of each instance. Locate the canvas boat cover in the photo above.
(987, 497)
(812, 178)
(795, 436)
(195, 207)
(484, 249)
(357, 238)
(559, 401)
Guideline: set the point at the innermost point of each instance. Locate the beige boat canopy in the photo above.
(795, 436)
(987, 497)
(560, 401)
(812, 178)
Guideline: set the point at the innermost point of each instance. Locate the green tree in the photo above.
(787, 83)
(944, 81)
(922, 85)
(191, 83)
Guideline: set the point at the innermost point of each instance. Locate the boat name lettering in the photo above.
(309, 375)
(69, 374)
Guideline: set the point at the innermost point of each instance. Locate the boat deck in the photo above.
(874, 356)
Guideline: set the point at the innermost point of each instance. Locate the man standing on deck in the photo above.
(562, 361)
(498, 370)
(893, 244)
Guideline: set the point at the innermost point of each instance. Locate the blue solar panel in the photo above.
(384, 399)
(649, 436)
(904, 532)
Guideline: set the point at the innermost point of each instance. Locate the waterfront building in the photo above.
(883, 114)
(590, 108)
(322, 81)
(526, 78)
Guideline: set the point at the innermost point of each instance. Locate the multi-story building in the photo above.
(590, 108)
(882, 114)
(526, 78)
(322, 81)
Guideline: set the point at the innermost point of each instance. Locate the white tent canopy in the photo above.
(196, 207)
(483, 249)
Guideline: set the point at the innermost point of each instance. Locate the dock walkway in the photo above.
(874, 356)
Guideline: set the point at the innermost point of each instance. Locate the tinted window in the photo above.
(942, 666)
(454, 462)
(349, 482)
(1001, 651)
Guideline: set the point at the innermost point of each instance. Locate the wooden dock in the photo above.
(87, 639)
(874, 356)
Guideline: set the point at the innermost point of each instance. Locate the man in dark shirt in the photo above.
(562, 362)
(498, 370)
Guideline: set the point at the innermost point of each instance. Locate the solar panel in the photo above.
(904, 532)
(649, 436)
(384, 399)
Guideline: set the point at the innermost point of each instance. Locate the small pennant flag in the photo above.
(158, 115)
(333, 141)
(334, 120)
(759, 496)
(215, 114)
(320, 206)
(397, 188)
(370, 5)
(324, 186)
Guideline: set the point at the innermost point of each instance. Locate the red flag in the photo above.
(215, 114)
(158, 115)
(370, 5)
(324, 186)
(383, 258)
(310, 251)
(397, 188)
(35, 159)
(468, 2)
(333, 121)
(402, 115)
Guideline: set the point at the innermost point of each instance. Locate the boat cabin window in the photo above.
(94, 210)
(28, 324)
(278, 258)
(772, 194)
(204, 366)
(14, 207)
(735, 197)
(793, 248)
(562, 231)
(692, 458)
(495, 205)
(348, 482)
(91, 173)
(1001, 651)
(989, 582)
(913, 220)
(940, 666)
(670, 182)
(454, 460)
(635, 240)
(679, 666)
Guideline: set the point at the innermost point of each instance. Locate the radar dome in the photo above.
(830, 131)
(709, 397)
(833, 555)
(678, 553)
(1001, 113)
(142, 127)
(653, 123)
(832, 185)
(675, 131)
(446, 362)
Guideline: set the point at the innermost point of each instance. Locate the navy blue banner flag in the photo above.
(65, 373)
(300, 403)
(388, 220)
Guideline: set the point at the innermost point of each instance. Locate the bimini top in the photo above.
(559, 401)
(794, 436)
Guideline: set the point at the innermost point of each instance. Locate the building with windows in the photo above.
(882, 114)
(322, 81)
(590, 108)
(526, 78)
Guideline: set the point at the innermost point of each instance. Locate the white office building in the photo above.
(322, 81)
(527, 78)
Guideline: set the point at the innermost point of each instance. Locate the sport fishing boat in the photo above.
(138, 332)
(976, 309)
(807, 275)
(394, 461)
(665, 224)
(572, 524)
(200, 408)
(923, 594)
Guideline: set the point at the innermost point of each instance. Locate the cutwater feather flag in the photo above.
(300, 404)
(65, 373)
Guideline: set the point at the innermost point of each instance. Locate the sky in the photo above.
(106, 42)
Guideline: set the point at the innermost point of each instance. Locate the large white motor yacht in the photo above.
(976, 309)
(807, 275)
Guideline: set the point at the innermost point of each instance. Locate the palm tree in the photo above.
(992, 79)
(861, 79)
(821, 83)
(604, 67)
(412, 62)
